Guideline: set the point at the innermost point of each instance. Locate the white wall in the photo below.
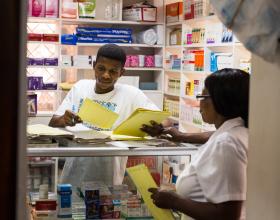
(263, 200)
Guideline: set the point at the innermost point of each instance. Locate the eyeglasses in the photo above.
(202, 97)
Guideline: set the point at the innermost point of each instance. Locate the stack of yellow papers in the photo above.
(143, 180)
(131, 126)
(97, 115)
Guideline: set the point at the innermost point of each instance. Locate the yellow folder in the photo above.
(143, 180)
(95, 114)
(131, 126)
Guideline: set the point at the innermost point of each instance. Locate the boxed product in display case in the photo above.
(140, 12)
(175, 37)
(174, 12)
(86, 9)
(31, 104)
(36, 8)
(52, 8)
(69, 9)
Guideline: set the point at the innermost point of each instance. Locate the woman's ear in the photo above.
(94, 63)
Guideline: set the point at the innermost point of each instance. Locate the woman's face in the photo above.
(207, 109)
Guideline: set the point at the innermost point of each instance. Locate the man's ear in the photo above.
(122, 72)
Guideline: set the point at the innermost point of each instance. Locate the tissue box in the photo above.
(174, 12)
(134, 61)
(52, 8)
(149, 61)
(140, 14)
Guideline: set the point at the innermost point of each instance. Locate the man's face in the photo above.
(107, 72)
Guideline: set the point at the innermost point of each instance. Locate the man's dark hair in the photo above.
(112, 51)
(229, 91)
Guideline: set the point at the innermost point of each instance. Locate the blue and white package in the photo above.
(213, 62)
(94, 30)
(69, 39)
(82, 39)
(64, 198)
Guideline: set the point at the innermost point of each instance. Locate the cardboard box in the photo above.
(188, 10)
(140, 14)
(175, 37)
(174, 12)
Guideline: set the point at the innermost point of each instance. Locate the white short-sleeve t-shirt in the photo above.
(218, 171)
(123, 100)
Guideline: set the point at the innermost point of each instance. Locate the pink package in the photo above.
(127, 61)
(69, 9)
(52, 8)
(134, 61)
(37, 8)
(149, 61)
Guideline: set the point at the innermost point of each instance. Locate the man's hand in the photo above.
(70, 118)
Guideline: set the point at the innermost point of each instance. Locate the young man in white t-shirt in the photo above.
(122, 99)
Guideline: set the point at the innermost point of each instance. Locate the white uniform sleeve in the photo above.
(67, 103)
(222, 175)
(142, 101)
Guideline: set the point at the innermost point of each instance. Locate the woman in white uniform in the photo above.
(213, 186)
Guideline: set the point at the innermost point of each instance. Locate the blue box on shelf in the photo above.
(148, 85)
(69, 39)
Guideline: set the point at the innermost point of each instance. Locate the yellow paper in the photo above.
(97, 115)
(119, 137)
(131, 126)
(143, 180)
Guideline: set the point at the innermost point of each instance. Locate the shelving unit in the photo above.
(160, 75)
(189, 117)
(72, 74)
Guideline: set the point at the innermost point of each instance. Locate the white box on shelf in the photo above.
(129, 80)
(66, 60)
(140, 14)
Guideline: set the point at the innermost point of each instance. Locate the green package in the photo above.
(87, 9)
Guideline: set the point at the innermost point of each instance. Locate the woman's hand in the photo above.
(172, 134)
(164, 199)
(153, 130)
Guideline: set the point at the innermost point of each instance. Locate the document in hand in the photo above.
(95, 114)
(143, 180)
(131, 126)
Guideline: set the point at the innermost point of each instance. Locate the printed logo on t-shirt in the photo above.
(109, 105)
